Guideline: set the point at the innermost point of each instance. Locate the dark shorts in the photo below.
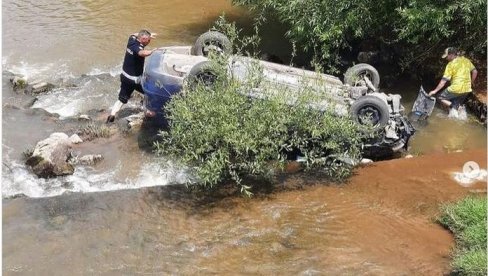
(455, 98)
(127, 86)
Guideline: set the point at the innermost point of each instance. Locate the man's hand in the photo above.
(432, 93)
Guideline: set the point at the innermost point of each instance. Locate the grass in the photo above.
(467, 220)
(94, 130)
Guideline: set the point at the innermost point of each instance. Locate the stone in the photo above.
(90, 159)
(366, 161)
(75, 139)
(39, 87)
(51, 155)
(135, 120)
(84, 117)
(408, 156)
(18, 82)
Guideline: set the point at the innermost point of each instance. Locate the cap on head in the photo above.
(449, 51)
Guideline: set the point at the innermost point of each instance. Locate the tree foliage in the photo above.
(220, 132)
(417, 28)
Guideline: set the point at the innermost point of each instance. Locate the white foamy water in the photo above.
(93, 91)
(467, 179)
(33, 72)
(113, 71)
(17, 179)
(96, 90)
(458, 114)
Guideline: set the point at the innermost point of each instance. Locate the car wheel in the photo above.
(355, 75)
(211, 41)
(370, 111)
(202, 73)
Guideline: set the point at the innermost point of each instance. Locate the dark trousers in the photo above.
(128, 86)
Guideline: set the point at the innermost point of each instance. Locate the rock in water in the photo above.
(91, 159)
(51, 155)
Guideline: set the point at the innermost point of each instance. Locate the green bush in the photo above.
(467, 220)
(220, 133)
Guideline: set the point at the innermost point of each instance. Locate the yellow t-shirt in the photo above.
(458, 72)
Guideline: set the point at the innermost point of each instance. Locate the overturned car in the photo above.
(169, 69)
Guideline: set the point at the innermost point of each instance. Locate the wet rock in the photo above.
(51, 155)
(89, 160)
(135, 120)
(366, 161)
(39, 87)
(84, 117)
(408, 156)
(75, 139)
(18, 82)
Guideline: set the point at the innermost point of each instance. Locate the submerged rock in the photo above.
(90, 159)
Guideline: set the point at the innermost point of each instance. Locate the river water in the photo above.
(123, 217)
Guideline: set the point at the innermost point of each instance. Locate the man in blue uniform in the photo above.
(132, 69)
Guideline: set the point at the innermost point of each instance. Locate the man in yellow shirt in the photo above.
(461, 74)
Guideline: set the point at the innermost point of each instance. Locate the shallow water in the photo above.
(106, 219)
(378, 223)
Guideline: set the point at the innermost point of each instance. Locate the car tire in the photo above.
(370, 111)
(202, 73)
(211, 40)
(356, 72)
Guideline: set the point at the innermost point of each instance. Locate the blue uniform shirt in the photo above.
(133, 63)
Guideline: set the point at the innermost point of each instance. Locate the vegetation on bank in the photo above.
(467, 219)
(221, 133)
(413, 30)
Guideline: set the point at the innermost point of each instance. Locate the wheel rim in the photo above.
(212, 46)
(369, 115)
(360, 78)
(207, 78)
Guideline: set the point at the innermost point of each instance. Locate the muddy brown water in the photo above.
(379, 223)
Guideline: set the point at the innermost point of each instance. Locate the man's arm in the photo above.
(145, 53)
(474, 74)
(439, 87)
